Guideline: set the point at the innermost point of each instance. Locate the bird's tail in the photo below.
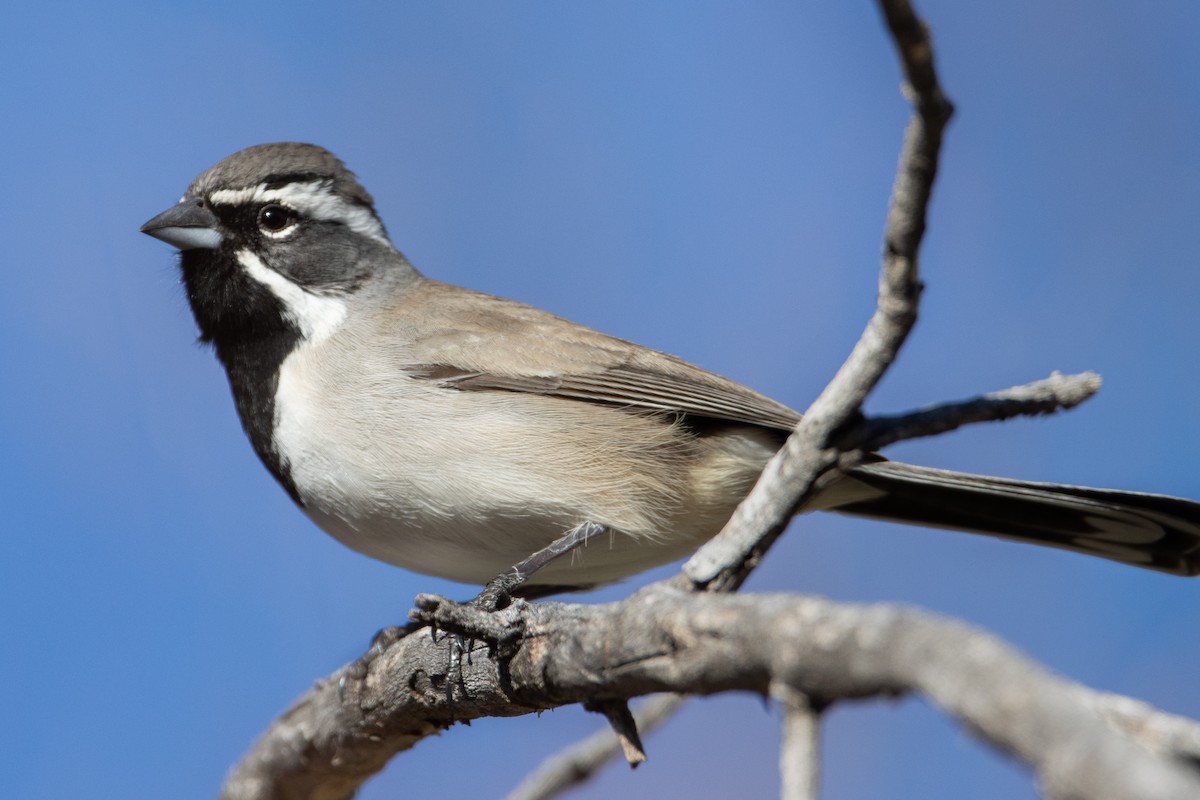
(1144, 530)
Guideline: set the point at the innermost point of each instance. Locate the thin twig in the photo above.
(800, 749)
(624, 726)
(580, 762)
(1165, 734)
(1047, 396)
(725, 561)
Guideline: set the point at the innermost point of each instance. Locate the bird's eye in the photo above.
(274, 218)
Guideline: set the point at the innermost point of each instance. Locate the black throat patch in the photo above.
(246, 325)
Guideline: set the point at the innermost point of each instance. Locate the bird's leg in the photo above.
(497, 593)
(474, 620)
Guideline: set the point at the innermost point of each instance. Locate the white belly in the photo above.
(463, 485)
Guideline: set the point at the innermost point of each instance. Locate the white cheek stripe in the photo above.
(314, 199)
(317, 316)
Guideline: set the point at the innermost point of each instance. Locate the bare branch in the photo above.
(1047, 396)
(624, 726)
(724, 562)
(580, 762)
(1164, 734)
(800, 751)
(666, 640)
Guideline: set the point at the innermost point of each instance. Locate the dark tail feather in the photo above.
(1144, 530)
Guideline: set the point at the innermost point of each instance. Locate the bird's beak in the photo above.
(191, 225)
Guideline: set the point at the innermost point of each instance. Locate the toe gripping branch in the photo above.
(486, 618)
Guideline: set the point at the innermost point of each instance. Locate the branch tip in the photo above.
(624, 726)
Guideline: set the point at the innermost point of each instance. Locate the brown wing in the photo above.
(475, 342)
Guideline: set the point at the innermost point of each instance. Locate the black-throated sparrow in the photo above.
(454, 433)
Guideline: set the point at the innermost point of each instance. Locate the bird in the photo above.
(457, 434)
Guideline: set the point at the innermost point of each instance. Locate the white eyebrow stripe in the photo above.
(317, 316)
(313, 199)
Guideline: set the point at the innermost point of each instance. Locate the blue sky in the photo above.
(706, 178)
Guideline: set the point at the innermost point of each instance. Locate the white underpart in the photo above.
(314, 199)
(317, 316)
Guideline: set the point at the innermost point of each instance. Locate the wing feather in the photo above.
(474, 342)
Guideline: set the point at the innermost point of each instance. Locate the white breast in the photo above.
(463, 485)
